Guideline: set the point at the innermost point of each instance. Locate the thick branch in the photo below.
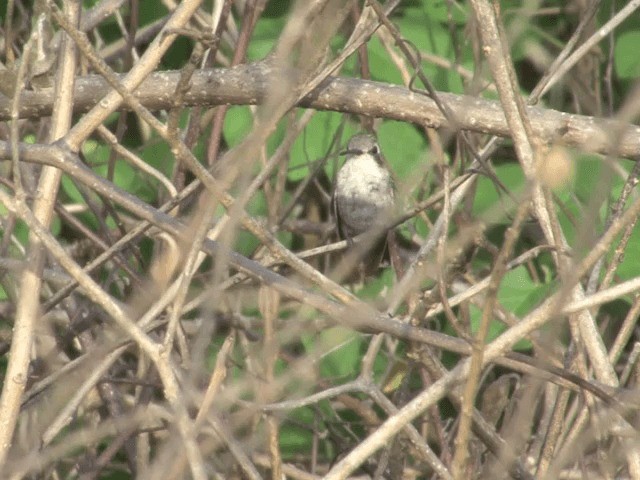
(248, 84)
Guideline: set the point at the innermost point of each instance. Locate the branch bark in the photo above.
(249, 85)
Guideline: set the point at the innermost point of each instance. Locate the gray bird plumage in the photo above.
(364, 193)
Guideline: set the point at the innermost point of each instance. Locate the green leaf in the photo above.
(487, 195)
(374, 288)
(237, 124)
(124, 175)
(159, 156)
(70, 189)
(426, 28)
(626, 59)
(629, 267)
(56, 226)
(294, 438)
(495, 329)
(421, 227)
(519, 294)
(21, 232)
(403, 147)
(588, 175)
(444, 12)
(314, 144)
(382, 70)
(343, 357)
(265, 36)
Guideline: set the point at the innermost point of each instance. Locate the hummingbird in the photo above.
(364, 193)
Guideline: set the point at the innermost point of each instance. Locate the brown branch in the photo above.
(249, 84)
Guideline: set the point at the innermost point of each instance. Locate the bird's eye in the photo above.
(375, 150)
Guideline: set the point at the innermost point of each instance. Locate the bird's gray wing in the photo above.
(342, 232)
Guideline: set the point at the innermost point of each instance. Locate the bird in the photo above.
(364, 195)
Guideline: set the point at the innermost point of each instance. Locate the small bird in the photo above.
(364, 193)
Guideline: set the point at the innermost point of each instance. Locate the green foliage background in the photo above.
(439, 29)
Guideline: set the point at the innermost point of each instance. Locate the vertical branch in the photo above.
(478, 344)
(27, 310)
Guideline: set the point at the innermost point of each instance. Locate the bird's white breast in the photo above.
(362, 176)
(364, 194)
